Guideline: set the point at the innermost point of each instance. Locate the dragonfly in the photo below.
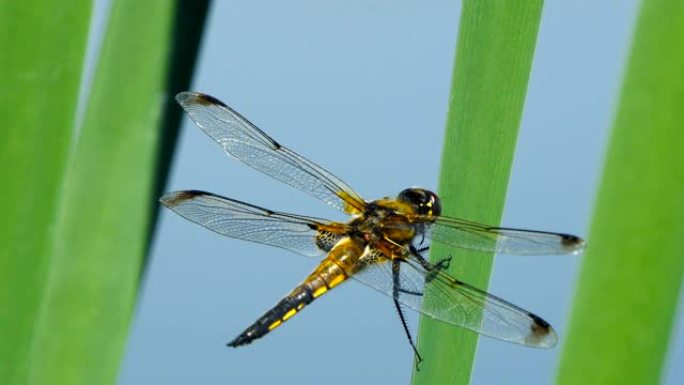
(381, 245)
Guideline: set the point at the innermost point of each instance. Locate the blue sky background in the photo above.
(361, 87)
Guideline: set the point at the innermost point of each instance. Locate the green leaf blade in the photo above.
(43, 52)
(491, 71)
(100, 236)
(632, 272)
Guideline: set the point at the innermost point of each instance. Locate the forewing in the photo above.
(452, 301)
(303, 235)
(246, 142)
(475, 236)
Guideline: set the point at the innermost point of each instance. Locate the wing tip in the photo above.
(186, 98)
(541, 334)
(175, 198)
(573, 243)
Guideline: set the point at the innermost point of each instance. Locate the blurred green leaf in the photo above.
(81, 199)
(493, 59)
(632, 272)
(43, 46)
(100, 233)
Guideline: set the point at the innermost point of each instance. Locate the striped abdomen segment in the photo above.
(333, 270)
(286, 308)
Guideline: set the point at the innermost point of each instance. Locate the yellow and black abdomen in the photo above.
(286, 308)
(340, 264)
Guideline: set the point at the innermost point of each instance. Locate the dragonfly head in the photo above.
(424, 201)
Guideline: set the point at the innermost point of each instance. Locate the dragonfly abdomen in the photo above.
(332, 271)
(286, 308)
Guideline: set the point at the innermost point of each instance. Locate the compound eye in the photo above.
(433, 205)
(425, 201)
(410, 195)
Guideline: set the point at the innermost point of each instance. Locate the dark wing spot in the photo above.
(207, 100)
(572, 243)
(570, 240)
(539, 326)
(175, 198)
(541, 334)
(325, 240)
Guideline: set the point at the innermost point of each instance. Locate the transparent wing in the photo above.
(246, 142)
(440, 296)
(475, 236)
(303, 235)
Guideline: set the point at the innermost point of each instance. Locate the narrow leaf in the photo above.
(491, 70)
(43, 45)
(632, 273)
(100, 232)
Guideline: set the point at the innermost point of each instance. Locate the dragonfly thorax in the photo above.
(397, 219)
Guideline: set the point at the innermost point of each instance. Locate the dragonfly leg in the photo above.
(423, 249)
(443, 263)
(422, 239)
(433, 268)
(418, 293)
(396, 289)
